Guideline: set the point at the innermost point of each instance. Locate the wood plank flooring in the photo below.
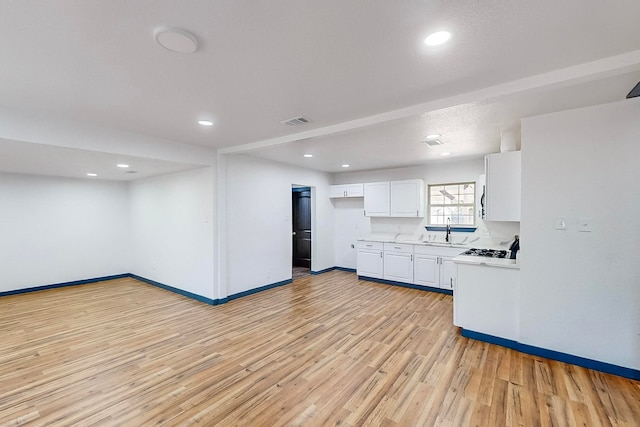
(324, 350)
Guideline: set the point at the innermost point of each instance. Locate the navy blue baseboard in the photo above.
(175, 290)
(64, 284)
(256, 290)
(554, 355)
(326, 270)
(407, 285)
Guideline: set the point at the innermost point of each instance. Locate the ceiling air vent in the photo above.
(433, 142)
(296, 121)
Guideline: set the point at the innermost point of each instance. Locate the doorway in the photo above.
(301, 231)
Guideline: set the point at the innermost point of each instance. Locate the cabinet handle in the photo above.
(451, 281)
(380, 254)
(411, 257)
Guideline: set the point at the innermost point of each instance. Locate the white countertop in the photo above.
(462, 246)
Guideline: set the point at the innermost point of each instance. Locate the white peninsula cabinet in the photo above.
(503, 186)
(370, 262)
(486, 299)
(346, 190)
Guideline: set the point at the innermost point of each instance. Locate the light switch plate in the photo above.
(561, 224)
(584, 224)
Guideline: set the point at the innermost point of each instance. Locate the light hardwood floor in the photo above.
(324, 350)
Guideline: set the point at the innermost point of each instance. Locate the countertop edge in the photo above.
(488, 262)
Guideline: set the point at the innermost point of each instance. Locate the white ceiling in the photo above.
(38, 159)
(358, 69)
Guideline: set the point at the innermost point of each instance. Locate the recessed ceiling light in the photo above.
(433, 136)
(345, 166)
(437, 38)
(92, 174)
(176, 39)
(122, 165)
(446, 153)
(308, 155)
(205, 122)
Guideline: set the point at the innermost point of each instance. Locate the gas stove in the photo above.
(491, 253)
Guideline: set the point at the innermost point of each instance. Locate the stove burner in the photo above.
(492, 253)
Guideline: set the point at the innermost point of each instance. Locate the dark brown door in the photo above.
(301, 199)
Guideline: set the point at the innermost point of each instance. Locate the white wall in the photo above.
(172, 230)
(258, 221)
(351, 225)
(56, 230)
(580, 291)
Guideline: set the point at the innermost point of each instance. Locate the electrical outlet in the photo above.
(584, 224)
(561, 224)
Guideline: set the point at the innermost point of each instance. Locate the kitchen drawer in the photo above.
(370, 245)
(398, 247)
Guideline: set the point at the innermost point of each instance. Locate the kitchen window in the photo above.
(456, 201)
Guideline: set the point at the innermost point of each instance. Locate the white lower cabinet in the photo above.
(421, 265)
(398, 262)
(370, 262)
(448, 273)
(426, 270)
(434, 266)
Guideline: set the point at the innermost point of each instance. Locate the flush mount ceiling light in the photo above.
(446, 153)
(345, 166)
(175, 39)
(437, 38)
(308, 155)
(433, 142)
(205, 122)
(432, 136)
(92, 174)
(122, 165)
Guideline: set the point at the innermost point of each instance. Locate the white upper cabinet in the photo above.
(395, 198)
(407, 198)
(502, 192)
(346, 190)
(376, 199)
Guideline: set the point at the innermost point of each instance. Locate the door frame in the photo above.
(313, 222)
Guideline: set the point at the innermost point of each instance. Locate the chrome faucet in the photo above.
(447, 237)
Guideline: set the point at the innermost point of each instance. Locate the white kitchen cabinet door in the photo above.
(448, 273)
(370, 262)
(407, 198)
(337, 191)
(426, 270)
(503, 186)
(346, 190)
(355, 190)
(398, 266)
(376, 199)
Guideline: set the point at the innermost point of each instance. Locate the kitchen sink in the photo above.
(447, 244)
